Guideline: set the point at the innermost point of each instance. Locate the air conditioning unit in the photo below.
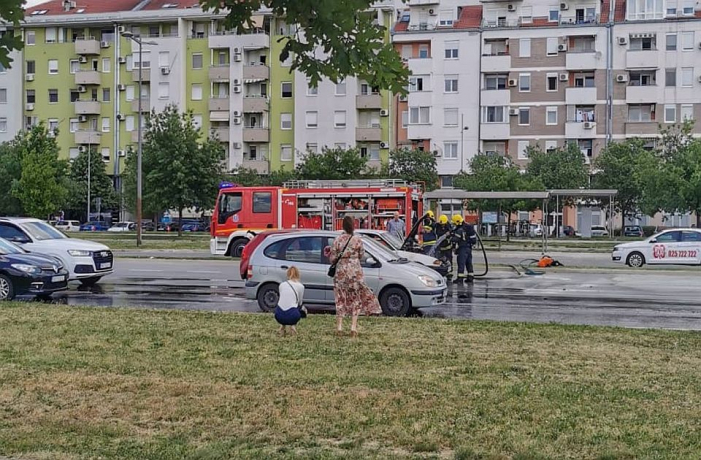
(384, 145)
(562, 47)
(589, 125)
(82, 118)
(165, 70)
(121, 153)
(699, 78)
(237, 89)
(237, 145)
(622, 78)
(384, 113)
(237, 50)
(436, 153)
(237, 120)
(29, 107)
(121, 87)
(432, 12)
(29, 77)
(511, 7)
(237, 113)
(403, 98)
(120, 117)
(237, 57)
(513, 82)
(622, 40)
(121, 29)
(563, 77)
(237, 81)
(513, 112)
(700, 45)
(82, 149)
(104, 45)
(83, 60)
(82, 89)
(564, 6)
(122, 60)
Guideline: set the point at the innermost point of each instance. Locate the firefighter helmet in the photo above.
(430, 214)
(457, 219)
(443, 219)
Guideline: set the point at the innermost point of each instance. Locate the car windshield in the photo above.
(378, 250)
(8, 248)
(42, 231)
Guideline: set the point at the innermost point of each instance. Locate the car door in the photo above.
(307, 254)
(690, 247)
(371, 269)
(664, 248)
(13, 233)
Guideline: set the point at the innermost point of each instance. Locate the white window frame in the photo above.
(448, 113)
(105, 152)
(450, 84)
(522, 149)
(504, 114)
(551, 46)
(3, 125)
(130, 93)
(450, 150)
(164, 59)
(452, 50)
(556, 10)
(687, 41)
(73, 125)
(686, 112)
(53, 66)
(524, 110)
(340, 119)
(163, 90)
(30, 38)
(673, 108)
(105, 125)
(523, 45)
(106, 65)
(286, 152)
(311, 119)
(73, 66)
(405, 119)
(547, 83)
(550, 145)
(416, 115)
(311, 90)
(522, 89)
(341, 88)
(446, 18)
(526, 15)
(196, 92)
(687, 77)
(192, 61)
(285, 118)
(282, 90)
(130, 123)
(549, 110)
(3, 92)
(667, 42)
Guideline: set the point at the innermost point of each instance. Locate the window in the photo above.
(196, 121)
(312, 119)
(285, 152)
(130, 123)
(163, 90)
(551, 116)
(691, 236)
(524, 116)
(419, 83)
(53, 66)
(53, 126)
(550, 146)
(197, 61)
(526, 15)
(106, 94)
(105, 152)
(642, 43)
(581, 113)
(671, 237)
(554, 14)
(643, 78)
(671, 42)
(262, 202)
(73, 153)
(30, 38)
(314, 148)
(688, 9)
(53, 96)
(446, 18)
(450, 150)
(687, 76)
(522, 150)
(3, 95)
(686, 112)
(196, 92)
(419, 115)
(341, 88)
(584, 80)
(405, 118)
(286, 121)
(641, 112)
(73, 125)
(311, 90)
(524, 48)
(583, 44)
(644, 9)
(670, 77)
(423, 52)
(495, 114)
(286, 89)
(451, 50)
(31, 96)
(130, 63)
(105, 125)
(164, 59)
(339, 119)
(687, 41)
(524, 82)
(495, 47)
(31, 67)
(145, 61)
(493, 82)
(3, 125)
(670, 113)
(552, 46)
(671, 7)
(129, 93)
(106, 66)
(73, 66)
(451, 84)
(450, 117)
(407, 51)
(551, 82)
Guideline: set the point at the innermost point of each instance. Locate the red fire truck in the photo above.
(241, 212)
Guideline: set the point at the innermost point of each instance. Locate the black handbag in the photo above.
(332, 268)
(302, 309)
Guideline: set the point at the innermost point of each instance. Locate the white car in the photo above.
(670, 247)
(85, 261)
(393, 243)
(122, 227)
(599, 231)
(68, 225)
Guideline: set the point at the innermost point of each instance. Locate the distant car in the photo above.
(148, 226)
(633, 231)
(22, 273)
(86, 261)
(568, 230)
(669, 247)
(195, 227)
(122, 227)
(68, 225)
(535, 230)
(169, 227)
(94, 227)
(599, 231)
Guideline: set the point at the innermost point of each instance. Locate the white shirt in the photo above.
(288, 299)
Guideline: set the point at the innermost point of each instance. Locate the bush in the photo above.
(649, 230)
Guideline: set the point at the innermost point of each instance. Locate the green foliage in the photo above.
(562, 168)
(332, 164)
(352, 43)
(413, 166)
(10, 171)
(100, 184)
(249, 177)
(11, 11)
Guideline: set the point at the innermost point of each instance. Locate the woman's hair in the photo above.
(348, 225)
(293, 273)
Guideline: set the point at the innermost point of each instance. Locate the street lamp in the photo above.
(462, 142)
(138, 41)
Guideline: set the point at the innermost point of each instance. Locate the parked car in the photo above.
(94, 226)
(68, 225)
(86, 261)
(535, 230)
(170, 227)
(22, 273)
(393, 243)
(401, 285)
(195, 227)
(599, 231)
(148, 226)
(255, 241)
(669, 247)
(122, 227)
(635, 231)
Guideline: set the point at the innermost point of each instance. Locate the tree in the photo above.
(100, 184)
(332, 164)
(346, 33)
(562, 168)
(10, 171)
(41, 187)
(11, 11)
(250, 177)
(413, 166)
(179, 169)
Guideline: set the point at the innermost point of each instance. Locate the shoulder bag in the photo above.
(332, 268)
(300, 306)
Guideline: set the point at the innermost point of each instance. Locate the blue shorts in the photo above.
(287, 317)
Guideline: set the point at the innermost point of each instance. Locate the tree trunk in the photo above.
(180, 221)
(698, 218)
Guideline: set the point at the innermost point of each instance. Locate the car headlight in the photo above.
(616, 248)
(79, 253)
(27, 268)
(427, 281)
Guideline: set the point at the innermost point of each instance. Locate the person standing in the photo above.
(429, 232)
(396, 226)
(464, 238)
(353, 296)
(444, 250)
(288, 310)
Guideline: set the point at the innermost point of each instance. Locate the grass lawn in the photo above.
(150, 241)
(119, 383)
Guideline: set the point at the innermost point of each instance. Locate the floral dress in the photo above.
(353, 296)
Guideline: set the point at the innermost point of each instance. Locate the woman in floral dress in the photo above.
(353, 296)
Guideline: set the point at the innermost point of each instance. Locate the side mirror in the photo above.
(19, 240)
(370, 262)
(653, 240)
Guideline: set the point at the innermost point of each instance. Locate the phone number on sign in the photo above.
(682, 254)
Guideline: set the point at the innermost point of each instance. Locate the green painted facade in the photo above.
(279, 74)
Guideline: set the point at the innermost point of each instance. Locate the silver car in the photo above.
(401, 285)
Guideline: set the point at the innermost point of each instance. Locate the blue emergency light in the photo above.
(227, 185)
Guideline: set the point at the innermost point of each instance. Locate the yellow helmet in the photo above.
(430, 214)
(443, 219)
(457, 219)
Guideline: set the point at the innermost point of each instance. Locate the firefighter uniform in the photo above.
(464, 238)
(445, 249)
(429, 232)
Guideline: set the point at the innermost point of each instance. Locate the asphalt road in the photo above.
(645, 298)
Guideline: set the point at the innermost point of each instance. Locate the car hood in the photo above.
(632, 245)
(39, 260)
(416, 257)
(72, 243)
(412, 268)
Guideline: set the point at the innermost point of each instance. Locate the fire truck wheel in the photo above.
(268, 296)
(395, 302)
(236, 247)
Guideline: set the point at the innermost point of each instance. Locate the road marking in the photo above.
(202, 271)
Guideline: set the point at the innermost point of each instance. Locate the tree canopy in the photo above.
(413, 166)
(332, 164)
(11, 11)
(100, 184)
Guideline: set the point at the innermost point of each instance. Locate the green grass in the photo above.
(150, 240)
(134, 384)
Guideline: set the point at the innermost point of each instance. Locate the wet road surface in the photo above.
(648, 298)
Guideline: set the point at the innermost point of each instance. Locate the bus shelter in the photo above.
(599, 195)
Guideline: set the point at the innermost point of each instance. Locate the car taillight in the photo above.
(249, 272)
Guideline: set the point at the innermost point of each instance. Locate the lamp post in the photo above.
(89, 171)
(138, 41)
(463, 128)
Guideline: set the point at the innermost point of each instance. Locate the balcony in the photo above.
(87, 137)
(368, 134)
(223, 134)
(256, 134)
(219, 73)
(644, 128)
(580, 96)
(369, 101)
(260, 166)
(145, 105)
(256, 72)
(495, 131)
(87, 77)
(495, 97)
(248, 41)
(86, 46)
(496, 63)
(583, 60)
(87, 107)
(255, 104)
(641, 94)
(219, 103)
(580, 130)
(422, 2)
(145, 75)
(642, 59)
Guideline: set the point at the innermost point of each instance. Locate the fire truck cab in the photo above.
(242, 212)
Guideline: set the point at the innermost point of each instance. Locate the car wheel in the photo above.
(395, 302)
(88, 282)
(7, 291)
(236, 248)
(268, 297)
(635, 260)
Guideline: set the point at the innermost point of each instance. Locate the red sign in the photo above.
(659, 251)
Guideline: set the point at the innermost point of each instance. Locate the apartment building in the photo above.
(10, 97)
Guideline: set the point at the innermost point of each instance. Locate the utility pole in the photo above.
(89, 171)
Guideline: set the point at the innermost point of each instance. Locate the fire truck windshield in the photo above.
(229, 204)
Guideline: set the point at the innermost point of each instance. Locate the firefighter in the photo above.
(429, 232)
(444, 251)
(464, 238)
